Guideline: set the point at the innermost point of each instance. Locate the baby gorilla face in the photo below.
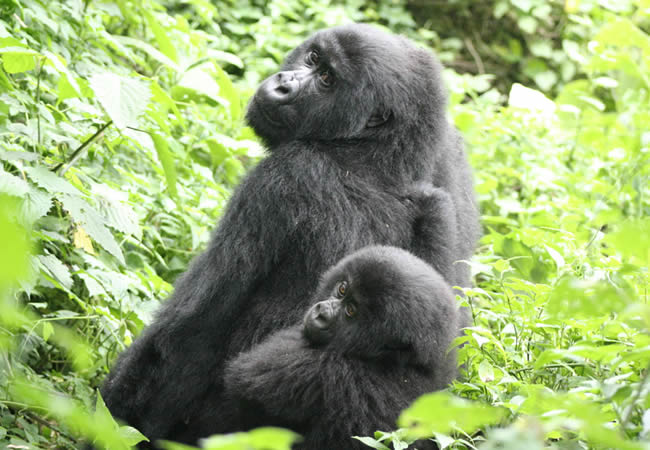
(321, 321)
(324, 318)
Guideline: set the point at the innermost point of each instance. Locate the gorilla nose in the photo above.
(284, 87)
(322, 313)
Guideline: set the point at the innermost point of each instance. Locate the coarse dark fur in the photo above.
(342, 161)
(377, 337)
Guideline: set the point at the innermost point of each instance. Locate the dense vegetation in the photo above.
(121, 137)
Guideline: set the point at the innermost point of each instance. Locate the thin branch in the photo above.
(78, 152)
(37, 99)
(477, 58)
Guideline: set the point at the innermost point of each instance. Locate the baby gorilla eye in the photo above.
(313, 58)
(350, 309)
(326, 78)
(341, 289)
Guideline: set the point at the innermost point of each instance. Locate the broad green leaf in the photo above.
(94, 288)
(12, 185)
(131, 436)
(266, 438)
(123, 99)
(588, 298)
(372, 443)
(16, 56)
(50, 181)
(14, 245)
(632, 240)
(424, 417)
(56, 269)
(198, 82)
(93, 223)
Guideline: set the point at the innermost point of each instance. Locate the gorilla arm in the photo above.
(281, 375)
(330, 397)
(435, 234)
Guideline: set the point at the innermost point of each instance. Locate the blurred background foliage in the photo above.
(121, 138)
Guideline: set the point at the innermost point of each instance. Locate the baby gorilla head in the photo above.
(383, 303)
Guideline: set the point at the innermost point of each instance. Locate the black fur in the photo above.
(388, 341)
(343, 160)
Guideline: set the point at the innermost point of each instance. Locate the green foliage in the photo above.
(266, 438)
(122, 137)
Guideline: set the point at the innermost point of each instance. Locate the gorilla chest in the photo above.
(364, 217)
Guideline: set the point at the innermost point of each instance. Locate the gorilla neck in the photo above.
(396, 158)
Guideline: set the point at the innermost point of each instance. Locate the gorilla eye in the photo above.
(350, 310)
(342, 288)
(313, 58)
(326, 78)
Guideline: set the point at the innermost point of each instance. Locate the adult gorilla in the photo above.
(353, 120)
(377, 338)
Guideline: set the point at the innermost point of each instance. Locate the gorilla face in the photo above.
(376, 306)
(347, 82)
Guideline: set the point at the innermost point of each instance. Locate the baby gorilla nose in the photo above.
(320, 320)
(322, 313)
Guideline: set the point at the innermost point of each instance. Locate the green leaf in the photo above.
(424, 417)
(573, 298)
(266, 438)
(123, 99)
(56, 269)
(94, 288)
(50, 181)
(632, 240)
(220, 55)
(228, 92)
(196, 83)
(12, 185)
(164, 43)
(14, 245)
(167, 161)
(16, 56)
(131, 436)
(150, 50)
(47, 331)
(527, 24)
(93, 223)
(370, 442)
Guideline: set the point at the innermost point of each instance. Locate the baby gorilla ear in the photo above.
(379, 117)
(321, 320)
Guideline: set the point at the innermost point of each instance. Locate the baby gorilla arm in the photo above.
(280, 376)
(435, 235)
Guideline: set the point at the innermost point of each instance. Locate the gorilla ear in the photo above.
(379, 117)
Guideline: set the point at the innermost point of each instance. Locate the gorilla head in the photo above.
(383, 303)
(348, 83)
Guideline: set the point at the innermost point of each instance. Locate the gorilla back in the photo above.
(355, 117)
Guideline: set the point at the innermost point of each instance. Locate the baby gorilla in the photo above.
(377, 338)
